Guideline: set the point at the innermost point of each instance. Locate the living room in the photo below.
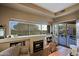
(37, 29)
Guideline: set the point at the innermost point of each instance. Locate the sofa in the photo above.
(15, 51)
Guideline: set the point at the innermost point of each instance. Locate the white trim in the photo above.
(26, 21)
(64, 21)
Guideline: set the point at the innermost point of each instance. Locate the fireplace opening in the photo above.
(37, 46)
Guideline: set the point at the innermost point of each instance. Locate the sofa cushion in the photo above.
(7, 52)
(16, 51)
(12, 51)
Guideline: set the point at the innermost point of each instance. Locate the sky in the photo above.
(12, 23)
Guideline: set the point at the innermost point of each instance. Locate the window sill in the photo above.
(19, 38)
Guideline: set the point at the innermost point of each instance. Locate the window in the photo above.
(22, 28)
(1, 32)
(18, 28)
(55, 30)
(44, 29)
(34, 29)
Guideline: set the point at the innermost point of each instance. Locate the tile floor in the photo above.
(62, 51)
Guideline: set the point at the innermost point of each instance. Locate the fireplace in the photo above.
(37, 45)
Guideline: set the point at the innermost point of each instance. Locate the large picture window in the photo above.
(21, 28)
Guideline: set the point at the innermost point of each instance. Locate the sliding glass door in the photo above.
(71, 34)
(65, 33)
(62, 34)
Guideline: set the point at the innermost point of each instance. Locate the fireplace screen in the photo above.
(37, 45)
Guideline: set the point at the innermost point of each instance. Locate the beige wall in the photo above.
(7, 13)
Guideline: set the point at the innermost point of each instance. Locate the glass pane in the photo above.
(77, 32)
(71, 34)
(34, 29)
(55, 32)
(1, 32)
(62, 34)
(22, 29)
(44, 29)
(18, 28)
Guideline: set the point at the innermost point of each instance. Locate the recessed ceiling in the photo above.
(55, 7)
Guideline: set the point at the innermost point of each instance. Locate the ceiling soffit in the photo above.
(66, 11)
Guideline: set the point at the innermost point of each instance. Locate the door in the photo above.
(62, 34)
(71, 34)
